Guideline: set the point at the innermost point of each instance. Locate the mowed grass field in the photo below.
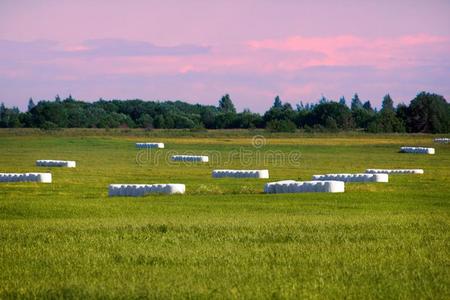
(224, 238)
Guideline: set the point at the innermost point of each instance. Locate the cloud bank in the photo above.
(298, 68)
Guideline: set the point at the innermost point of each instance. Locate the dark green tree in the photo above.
(208, 117)
(356, 103)
(226, 105)
(330, 114)
(386, 120)
(160, 122)
(429, 113)
(280, 112)
(281, 126)
(362, 113)
(277, 102)
(9, 117)
(145, 121)
(77, 117)
(402, 113)
(31, 104)
(387, 104)
(367, 106)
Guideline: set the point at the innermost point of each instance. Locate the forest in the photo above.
(426, 113)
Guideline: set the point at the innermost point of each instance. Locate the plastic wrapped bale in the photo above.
(361, 177)
(26, 177)
(394, 171)
(442, 140)
(419, 150)
(56, 163)
(194, 158)
(150, 145)
(292, 186)
(135, 190)
(240, 173)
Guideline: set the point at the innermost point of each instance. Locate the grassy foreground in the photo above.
(224, 238)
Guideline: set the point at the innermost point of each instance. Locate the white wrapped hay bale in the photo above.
(199, 158)
(149, 145)
(292, 186)
(394, 171)
(26, 177)
(361, 177)
(420, 150)
(144, 189)
(56, 163)
(240, 173)
(442, 140)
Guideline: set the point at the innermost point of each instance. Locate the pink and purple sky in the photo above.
(199, 50)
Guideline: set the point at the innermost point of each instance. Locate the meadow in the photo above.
(224, 238)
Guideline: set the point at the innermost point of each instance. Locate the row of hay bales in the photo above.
(361, 177)
(262, 174)
(419, 150)
(26, 177)
(36, 176)
(406, 149)
(442, 140)
(144, 189)
(292, 186)
(394, 171)
(333, 183)
(191, 158)
(149, 145)
(56, 163)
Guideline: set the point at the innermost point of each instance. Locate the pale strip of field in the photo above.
(228, 137)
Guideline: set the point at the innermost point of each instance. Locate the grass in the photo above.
(224, 238)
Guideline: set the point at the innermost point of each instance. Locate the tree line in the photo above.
(427, 112)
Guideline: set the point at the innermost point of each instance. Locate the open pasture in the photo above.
(224, 238)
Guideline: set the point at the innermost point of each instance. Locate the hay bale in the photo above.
(442, 140)
(394, 171)
(136, 190)
(240, 173)
(192, 158)
(150, 145)
(292, 186)
(361, 177)
(420, 150)
(56, 163)
(26, 177)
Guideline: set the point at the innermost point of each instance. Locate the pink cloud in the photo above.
(380, 52)
(421, 39)
(298, 43)
(289, 55)
(75, 48)
(296, 68)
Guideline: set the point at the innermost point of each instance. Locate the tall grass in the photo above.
(224, 238)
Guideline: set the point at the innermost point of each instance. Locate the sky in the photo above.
(197, 51)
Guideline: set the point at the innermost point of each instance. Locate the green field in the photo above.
(224, 238)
